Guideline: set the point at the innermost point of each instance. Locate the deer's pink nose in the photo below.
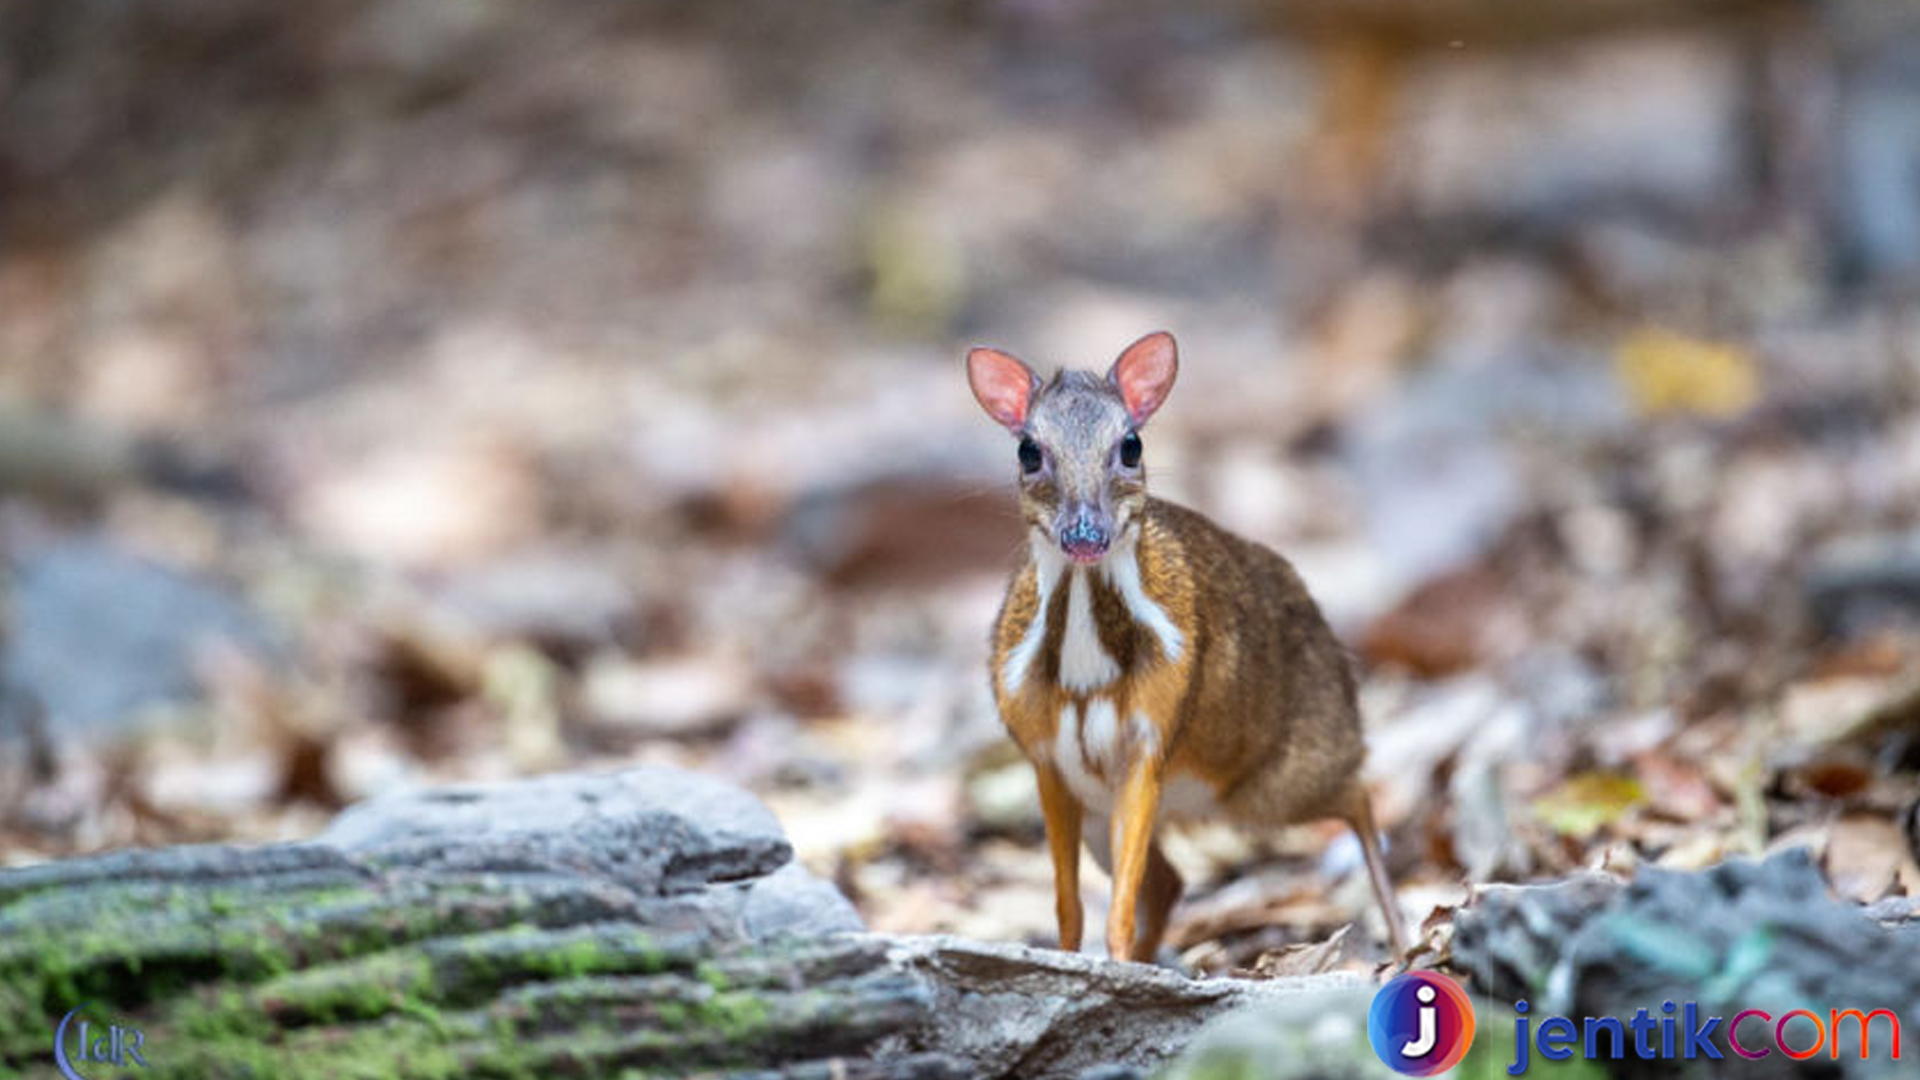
(1085, 538)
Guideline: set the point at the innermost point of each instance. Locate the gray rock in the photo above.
(96, 635)
(518, 972)
(1015, 1011)
(791, 902)
(1296, 1038)
(1744, 934)
(579, 908)
(1113, 1072)
(661, 832)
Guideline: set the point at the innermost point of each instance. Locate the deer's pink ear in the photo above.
(1003, 385)
(1144, 374)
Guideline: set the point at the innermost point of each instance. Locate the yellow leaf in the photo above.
(1588, 802)
(1664, 371)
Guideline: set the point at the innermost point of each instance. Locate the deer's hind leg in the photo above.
(1359, 814)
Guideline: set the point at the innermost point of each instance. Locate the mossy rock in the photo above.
(518, 944)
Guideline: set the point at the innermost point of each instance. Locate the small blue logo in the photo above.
(117, 1046)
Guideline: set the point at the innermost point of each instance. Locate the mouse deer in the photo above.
(1152, 666)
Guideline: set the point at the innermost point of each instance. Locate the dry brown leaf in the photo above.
(1441, 629)
(1306, 958)
(1677, 787)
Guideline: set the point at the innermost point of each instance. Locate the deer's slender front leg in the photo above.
(1133, 818)
(1062, 812)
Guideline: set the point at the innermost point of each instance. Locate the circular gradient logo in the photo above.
(1421, 1023)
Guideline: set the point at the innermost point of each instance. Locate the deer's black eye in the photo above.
(1029, 456)
(1130, 450)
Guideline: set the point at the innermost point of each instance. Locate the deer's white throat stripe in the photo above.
(1084, 663)
(1122, 568)
(1048, 565)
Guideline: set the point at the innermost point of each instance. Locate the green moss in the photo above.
(712, 974)
(138, 942)
(738, 1017)
(374, 1019)
(463, 978)
(358, 989)
(130, 954)
(487, 960)
(402, 1046)
(109, 902)
(219, 1013)
(23, 1031)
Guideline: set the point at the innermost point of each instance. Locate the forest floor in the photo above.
(546, 430)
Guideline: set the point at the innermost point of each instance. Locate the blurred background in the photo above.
(400, 391)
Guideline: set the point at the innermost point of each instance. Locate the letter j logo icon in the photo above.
(1421, 1023)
